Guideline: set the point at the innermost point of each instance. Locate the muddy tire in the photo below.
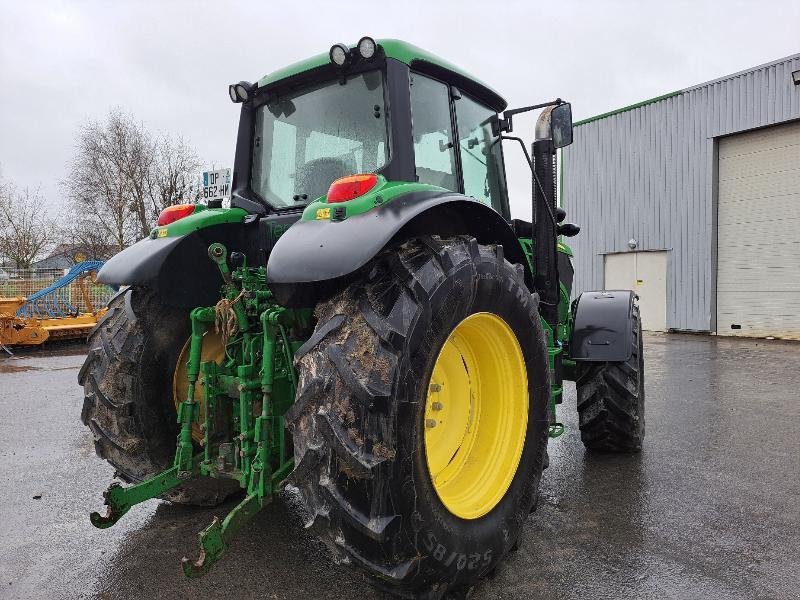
(611, 400)
(127, 384)
(359, 421)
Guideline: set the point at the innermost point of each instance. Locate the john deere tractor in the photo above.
(366, 327)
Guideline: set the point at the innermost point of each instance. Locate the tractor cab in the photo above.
(386, 108)
(377, 122)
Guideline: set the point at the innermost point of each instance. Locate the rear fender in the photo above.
(315, 258)
(178, 268)
(602, 326)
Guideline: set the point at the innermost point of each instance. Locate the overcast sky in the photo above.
(169, 63)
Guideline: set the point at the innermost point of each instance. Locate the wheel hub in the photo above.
(476, 415)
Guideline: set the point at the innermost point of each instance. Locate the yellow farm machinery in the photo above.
(63, 310)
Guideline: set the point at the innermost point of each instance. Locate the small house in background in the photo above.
(64, 256)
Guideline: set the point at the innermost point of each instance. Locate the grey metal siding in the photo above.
(648, 173)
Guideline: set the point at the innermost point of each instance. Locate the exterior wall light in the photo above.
(796, 77)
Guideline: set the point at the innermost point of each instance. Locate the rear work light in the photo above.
(173, 213)
(352, 186)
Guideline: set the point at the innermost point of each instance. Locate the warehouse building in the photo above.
(693, 200)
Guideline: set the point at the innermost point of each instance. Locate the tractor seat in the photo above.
(316, 175)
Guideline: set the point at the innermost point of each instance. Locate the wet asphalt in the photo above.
(710, 509)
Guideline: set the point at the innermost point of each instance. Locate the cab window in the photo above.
(480, 154)
(432, 131)
(306, 139)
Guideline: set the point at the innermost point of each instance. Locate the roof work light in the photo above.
(239, 92)
(340, 55)
(366, 47)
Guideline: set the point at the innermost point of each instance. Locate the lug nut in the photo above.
(430, 423)
(437, 406)
(435, 387)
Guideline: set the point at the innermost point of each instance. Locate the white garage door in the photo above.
(646, 274)
(758, 255)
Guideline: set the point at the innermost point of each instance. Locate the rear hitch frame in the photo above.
(258, 354)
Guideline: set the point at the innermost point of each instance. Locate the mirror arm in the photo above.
(522, 145)
(506, 125)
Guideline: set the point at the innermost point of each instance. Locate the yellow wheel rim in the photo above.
(476, 415)
(212, 350)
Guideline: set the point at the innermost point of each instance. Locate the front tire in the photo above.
(363, 461)
(611, 400)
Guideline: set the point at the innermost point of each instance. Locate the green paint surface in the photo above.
(203, 217)
(407, 53)
(383, 192)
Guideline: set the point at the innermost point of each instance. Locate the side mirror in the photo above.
(561, 125)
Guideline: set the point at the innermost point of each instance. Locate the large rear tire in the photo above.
(611, 400)
(384, 455)
(128, 405)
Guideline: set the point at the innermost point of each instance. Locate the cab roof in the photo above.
(414, 57)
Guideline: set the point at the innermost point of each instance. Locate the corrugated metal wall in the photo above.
(649, 173)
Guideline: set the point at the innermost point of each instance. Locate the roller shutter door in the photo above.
(758, 236)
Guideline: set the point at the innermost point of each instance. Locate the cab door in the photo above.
(480, 154)
(454, 146)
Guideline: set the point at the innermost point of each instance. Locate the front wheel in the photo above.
(611, 399)
(420, 426)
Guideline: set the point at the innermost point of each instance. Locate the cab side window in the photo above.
(481, 157)
(432, 132)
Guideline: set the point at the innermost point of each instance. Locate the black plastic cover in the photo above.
(138, 263)
(602, 330)
(178, 268)
(566, 272)
(313, 257)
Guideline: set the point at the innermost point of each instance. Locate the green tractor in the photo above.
(365, 328)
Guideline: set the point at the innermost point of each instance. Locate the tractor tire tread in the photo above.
(343, 420)
(133, 427)
(611, 400)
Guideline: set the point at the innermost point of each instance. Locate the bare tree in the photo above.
(122, 176)
(25, 228)
(173, 176)
(97, 184)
